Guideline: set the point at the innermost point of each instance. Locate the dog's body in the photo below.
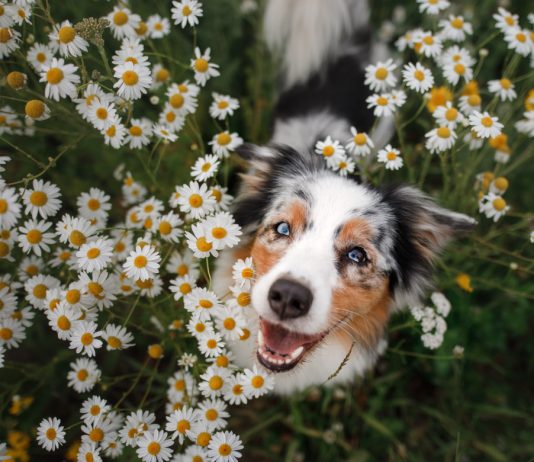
(333, 258)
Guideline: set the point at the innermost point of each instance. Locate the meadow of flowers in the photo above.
(118, 121)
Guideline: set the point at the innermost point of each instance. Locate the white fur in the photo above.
(310, 33)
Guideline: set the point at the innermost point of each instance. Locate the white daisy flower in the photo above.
(202, 303)
(37, 286)
(95, 255)
(223, 106)
(440, 139)
(7, 13)
(428, 44)
(360, 144)
(136, 425)
(225, 142)
(505, 20)
(101, 113)
(84, 338)
(519, 40)
(470, 103)
(210, 344)
(36, 110)
(183, 264)
(379, 77)
(455, 28)
(256, 383)
(417, 77)
(50, 434)
(131, 50)
(94, 204)
(390, 157)
(180, 422)
(160, 76)
(183, 97)
(11, 332)
(39, 55)
(172, 118)
(9, 41)
(93, 409)
(230, 323)
(382, 104)
(181, 286)
(142, 263)
(96, 432)
(222, 199)
(181, 385)
(485, 125)
(243, 273)
(89, 451)
(165, 133)
(134, 80)
(194, 199)
(503, 88)
(154, 446)
(158, 27)
(42, 198)
(9, 207)
(33, 237)
(114, 134)
(222, 230)
(113, 448)
(213, 380)
(123, 23)
(447, 115)
(204, 69)
(213, 412)
(493, 206)
(23, 14)
(84, 374)
(200, 243)
(331, 150)
(453, 72)
(65, 38)
(205, 167)
(433, 7)
(60, 78)
(526, 125)
(186, 12)
(233, 391)
(225, 447)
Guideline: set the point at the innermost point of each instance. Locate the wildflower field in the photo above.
(118, 124)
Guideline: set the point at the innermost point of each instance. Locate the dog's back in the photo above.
(323, 48)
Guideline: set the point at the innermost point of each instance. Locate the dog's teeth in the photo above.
(260, 337)
(297, 352)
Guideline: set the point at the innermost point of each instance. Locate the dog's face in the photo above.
(333, 257)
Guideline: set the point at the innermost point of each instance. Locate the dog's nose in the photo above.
(289, 299)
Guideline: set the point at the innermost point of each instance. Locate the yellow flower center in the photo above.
(391, 156)
(165, 228)
(54, 76)
(222, 104)
(521, 37)
(247, 273)
(203, 303)
(201, 65)
(499, 204)
(6, 334)
(457, 23)
(130, 78)
(219, 232)
(94, 410)
(101, 113)
(177, 101)
(486, 121)
(41, 57)
(5, 34)
(4, 206)
(34, 108)
(162, 75)
(186, 11)
(140, 261)
(155, 351)
(34, 236)
(141, 30)
(179, 384)
(66, 34)
(216, 382)
(428, 40)
(328, 151)
(16, 80)
(243, 299)
(419, 75)
(4, 249)
(229, 323)
(222, 361)
(114, 342)
(217, 194)
(77, 238)
(505, 83)
(93, 204)
(203, 439)
(38, 198)
(86, 339)
(381, 73)
(196, 201)
(120, 18)
(205, 167)
(63, 323)
(444, 132)
(111, 131)
(245, 335)
(39, 291)
(211, 343)
(459, 68)
(96, 435)
(509, 20)
(203, 245)
(136, 130)
(199, 327)
(451, 114)
(225, 449)
(153, 448)
(93, 253)
(382, 101)
(73, 296)
(182, 426)
(237, 389)
(474, 100)
(185, 288)
(257, 381)
(501, 183)
(51, 434)
(223, 139)
(82, 375)
(170, 116)
(64, 256)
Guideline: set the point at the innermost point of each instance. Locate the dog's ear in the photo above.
(422, 229)
(259, 164)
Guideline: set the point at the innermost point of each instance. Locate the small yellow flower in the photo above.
(438, 97)
(464, 282)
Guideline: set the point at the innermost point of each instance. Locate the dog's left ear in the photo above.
(422, 229)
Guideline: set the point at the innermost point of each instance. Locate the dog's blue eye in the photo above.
(357, 255)
(282, 228)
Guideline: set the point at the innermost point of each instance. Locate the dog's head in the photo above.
(333, 257)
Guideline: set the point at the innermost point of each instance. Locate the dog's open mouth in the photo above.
(280, 349)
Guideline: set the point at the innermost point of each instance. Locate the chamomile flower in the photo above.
(390, 157)
(222, 199)
(440, 139)
(9, 41)
(186, 12)
(183, 264)
(519, 40)
(136, 425)
(380, 76)
(134, 80)
(493, 206)
(243, 273)
(42, 198)
(233, 391)
(201, 303)
(223, 106)
(205, 167)
(123, 23)
(11, 332)
(158, 27)
(360, 144)
(9, 207)
(142, 263)
(180, 422)
(60, 78)
(382, 104)
(131, 50)
(213, 380)
(67, 40)
(222, 230)
(503, 88)
(94, 204)
(117, 337)
(96, 432)
(203, 67)
(7, 12)
(154, 446)
(93, 409)
(92, 94)
(433, 7)
(470, 103)
(37, 285)
(181, 286)
(50, 434)
(225, 447)
(168, 227)
(213, 412)
(427, 44)
(331, 150)
(417, 77)
(230, 323)
(505, 20)
(526, 124)
(101, 114)
(455, 28)
(456, 71)
(160, 76)
(449, 116)
(195, 199)
(172, 118)
(33, 237)
(210, 344)
(164, 132)
(256, 383)
(485, 125)
(89, 451)
(95, 255)
(200, 242)
(183, 97)
(39, 55)
(225, 142)
(114, 134)
(85, 338)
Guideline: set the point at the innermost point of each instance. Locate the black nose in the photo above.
(289, 299)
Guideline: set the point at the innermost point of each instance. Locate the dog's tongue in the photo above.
(281, 340)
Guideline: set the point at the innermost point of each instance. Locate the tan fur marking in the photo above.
(264, 257)
(356, 228)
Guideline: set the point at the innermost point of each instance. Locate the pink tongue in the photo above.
(281, 340)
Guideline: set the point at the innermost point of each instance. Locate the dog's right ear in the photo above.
(259, 163)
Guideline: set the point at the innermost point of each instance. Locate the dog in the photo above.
(334, 257)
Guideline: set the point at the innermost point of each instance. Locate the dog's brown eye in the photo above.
(357, 255)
